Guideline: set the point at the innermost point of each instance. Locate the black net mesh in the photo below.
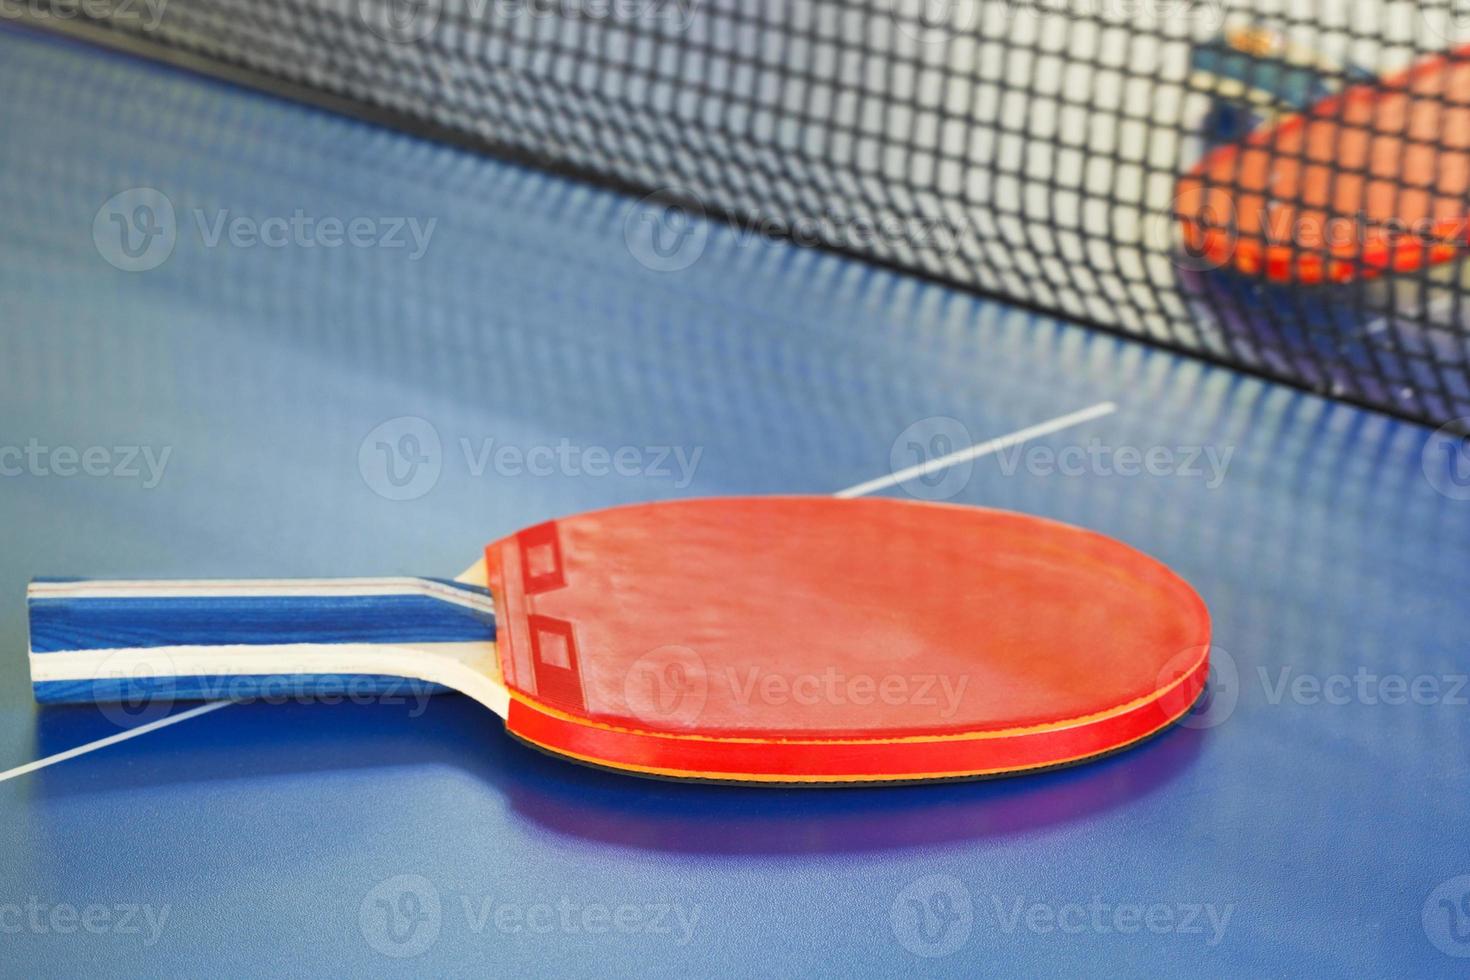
(1280, 185)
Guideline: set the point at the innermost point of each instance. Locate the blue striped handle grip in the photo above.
(101, 641)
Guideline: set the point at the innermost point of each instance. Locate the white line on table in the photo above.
(872, 486)
(103, 743)
(981, 449)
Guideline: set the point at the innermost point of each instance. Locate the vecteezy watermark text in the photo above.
(668, 231)
(941, 21)
(1364, 686)
(835, 687)
(302, 230)
(1205, 230)
(40, 918)
(144, 463)
(409, 21)
(1281, 685)
(1206, 12)
(131, 690)
(403, 917)
(310, 688)
(565, 458)
(146, 14)
(935, 916)
(403, 459)
(927, 457)
(1097, 916)
(1208, 463)
(670, 685)
(138, 229)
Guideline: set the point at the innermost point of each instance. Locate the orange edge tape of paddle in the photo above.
(530, 710)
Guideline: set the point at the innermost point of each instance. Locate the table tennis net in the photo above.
(1080, 157)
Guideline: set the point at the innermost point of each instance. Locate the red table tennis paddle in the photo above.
(1372, 179)
(771, 639)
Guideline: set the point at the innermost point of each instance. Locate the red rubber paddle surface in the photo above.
(812, 639)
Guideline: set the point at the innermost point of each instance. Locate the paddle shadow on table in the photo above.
(262, 742)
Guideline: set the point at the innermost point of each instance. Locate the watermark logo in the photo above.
(933, 916)
(146, 464)
(920, 458)
(1446, 459)
(1446, 917)
(1199, 231)
(934, 459)
(936, 915)
(405, 915)
(132, 687)
(1449, 19)
(667, 687)
(401, 916)
(135, 230)
(400, 21)
(1209, 14)
(401, 459)
(138, 229)
(40, 918)
(936, 21)
(666, 233)
(1216, 701)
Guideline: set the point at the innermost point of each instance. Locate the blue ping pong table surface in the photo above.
(1310, 817)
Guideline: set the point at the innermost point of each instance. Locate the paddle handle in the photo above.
(111, 641)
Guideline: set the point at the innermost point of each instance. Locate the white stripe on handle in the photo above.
(122, 640)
